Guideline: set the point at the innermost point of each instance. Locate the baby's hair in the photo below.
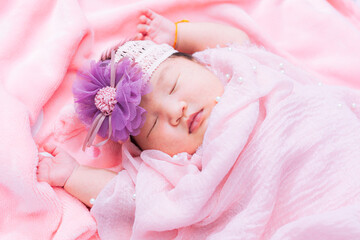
(132, 139)
(181, 54)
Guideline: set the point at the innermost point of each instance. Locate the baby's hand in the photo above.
(57, 169)
(156, 28)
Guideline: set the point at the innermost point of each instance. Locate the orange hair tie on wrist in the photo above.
(176, 31)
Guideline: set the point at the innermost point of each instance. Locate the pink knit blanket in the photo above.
(44, 42)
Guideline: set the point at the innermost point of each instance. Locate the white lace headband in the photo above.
(147, 54)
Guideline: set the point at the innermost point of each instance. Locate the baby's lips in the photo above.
(190, 120)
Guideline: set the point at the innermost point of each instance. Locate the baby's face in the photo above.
(178, 107)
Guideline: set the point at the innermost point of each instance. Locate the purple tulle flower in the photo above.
(95, 96)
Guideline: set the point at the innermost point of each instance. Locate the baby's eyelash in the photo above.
(152, 128)
(177, 79)
(172, 90)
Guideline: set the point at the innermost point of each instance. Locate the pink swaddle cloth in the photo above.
(280, 160)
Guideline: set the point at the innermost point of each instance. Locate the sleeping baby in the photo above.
(233, 138)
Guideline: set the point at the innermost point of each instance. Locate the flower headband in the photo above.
(107, 95)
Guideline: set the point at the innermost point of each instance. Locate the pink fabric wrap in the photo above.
(44, 42)
(279, 161)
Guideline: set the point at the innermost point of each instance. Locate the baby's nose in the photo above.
(176, 112)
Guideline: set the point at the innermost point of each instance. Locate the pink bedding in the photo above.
(43, 43)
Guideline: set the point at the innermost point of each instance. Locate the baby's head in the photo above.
(177, 93)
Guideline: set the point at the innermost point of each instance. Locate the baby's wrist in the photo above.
(71, 175)
(176, 33)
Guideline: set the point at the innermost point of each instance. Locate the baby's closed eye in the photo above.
(175, 84)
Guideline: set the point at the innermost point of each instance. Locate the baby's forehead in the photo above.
(167, 70)
(158, 81)
(174, 65)
(163, 72)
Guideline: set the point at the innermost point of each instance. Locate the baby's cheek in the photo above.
(173, 142)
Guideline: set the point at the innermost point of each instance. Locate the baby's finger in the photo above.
(51, 148)
(150, 14)
(144, 11)
(142, 28)
(139, 36)
(143, 19)
(43, 172)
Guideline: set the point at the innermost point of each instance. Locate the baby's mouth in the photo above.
(194, 121)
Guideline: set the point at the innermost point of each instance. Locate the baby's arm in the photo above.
(191, 37)
(86, 183)
(62, 170)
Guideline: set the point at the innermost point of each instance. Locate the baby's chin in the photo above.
(191, 149)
